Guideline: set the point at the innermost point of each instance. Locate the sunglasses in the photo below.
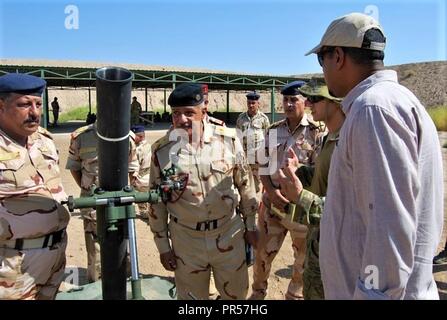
(321, 54)
(314, 99)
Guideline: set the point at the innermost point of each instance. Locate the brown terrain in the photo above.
(427, 80)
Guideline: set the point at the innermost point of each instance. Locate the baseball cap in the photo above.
(349, 31)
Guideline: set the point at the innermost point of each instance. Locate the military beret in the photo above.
(185, 95)
(253, 95)
(291, 89)
(22, 83)
(137, 128)
(317, 87)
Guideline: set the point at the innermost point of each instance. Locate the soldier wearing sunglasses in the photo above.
(324, 107)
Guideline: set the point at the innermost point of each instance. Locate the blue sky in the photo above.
(250, 36)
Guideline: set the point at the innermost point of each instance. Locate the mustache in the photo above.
(31, 120)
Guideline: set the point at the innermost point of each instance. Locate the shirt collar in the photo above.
(379, 76)
(304, 122)
(248, 116)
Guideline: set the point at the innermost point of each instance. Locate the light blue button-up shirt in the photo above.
(383, 214)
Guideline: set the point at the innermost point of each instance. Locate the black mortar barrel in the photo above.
(113, 94)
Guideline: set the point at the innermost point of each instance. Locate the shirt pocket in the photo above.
(48, 167)
(12, 175)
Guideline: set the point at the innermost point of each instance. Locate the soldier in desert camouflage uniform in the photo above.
(140, 178)
(204, 231)
(325, 108)
(135, 110)
(82, 162)
(301, 134)
(253, 125)
(32, 220)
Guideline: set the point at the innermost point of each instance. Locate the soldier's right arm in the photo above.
(158, 213)
(74, 162)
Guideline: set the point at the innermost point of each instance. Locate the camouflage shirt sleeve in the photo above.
(74, 161)
(158, 212)
(133, 159)
(309, 208)
(243, 180)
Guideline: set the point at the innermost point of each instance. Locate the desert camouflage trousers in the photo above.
(256, 177)
(221, 250)
(272, 232)
(33, 274)
(91, 245)
(313, 285)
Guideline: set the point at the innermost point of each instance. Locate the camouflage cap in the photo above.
(317, 87)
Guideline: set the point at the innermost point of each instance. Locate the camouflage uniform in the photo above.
(304, 140)
(254, 128)
(313, 286)
(135, 110)
(141, 181)
(83, 157)
(204, 229)
(30, 209)
(213, 290)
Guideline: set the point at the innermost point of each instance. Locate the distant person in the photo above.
(383, 213)
(165, 117)
(56, 109)
(157, 117)
(135, 110)
(91, 118)
(253, 124)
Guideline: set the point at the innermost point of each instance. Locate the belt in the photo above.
(203, 225)
(48, 240)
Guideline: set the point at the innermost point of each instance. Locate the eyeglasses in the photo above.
(321, 54)
(314, 99)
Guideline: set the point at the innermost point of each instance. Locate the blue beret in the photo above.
(137, 128)
(253, 95)
(22, 83)
(291, 89)
(185, 95)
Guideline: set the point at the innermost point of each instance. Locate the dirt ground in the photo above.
(149, 263)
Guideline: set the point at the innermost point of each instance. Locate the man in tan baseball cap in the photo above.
(349, 31)
(383, 213)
